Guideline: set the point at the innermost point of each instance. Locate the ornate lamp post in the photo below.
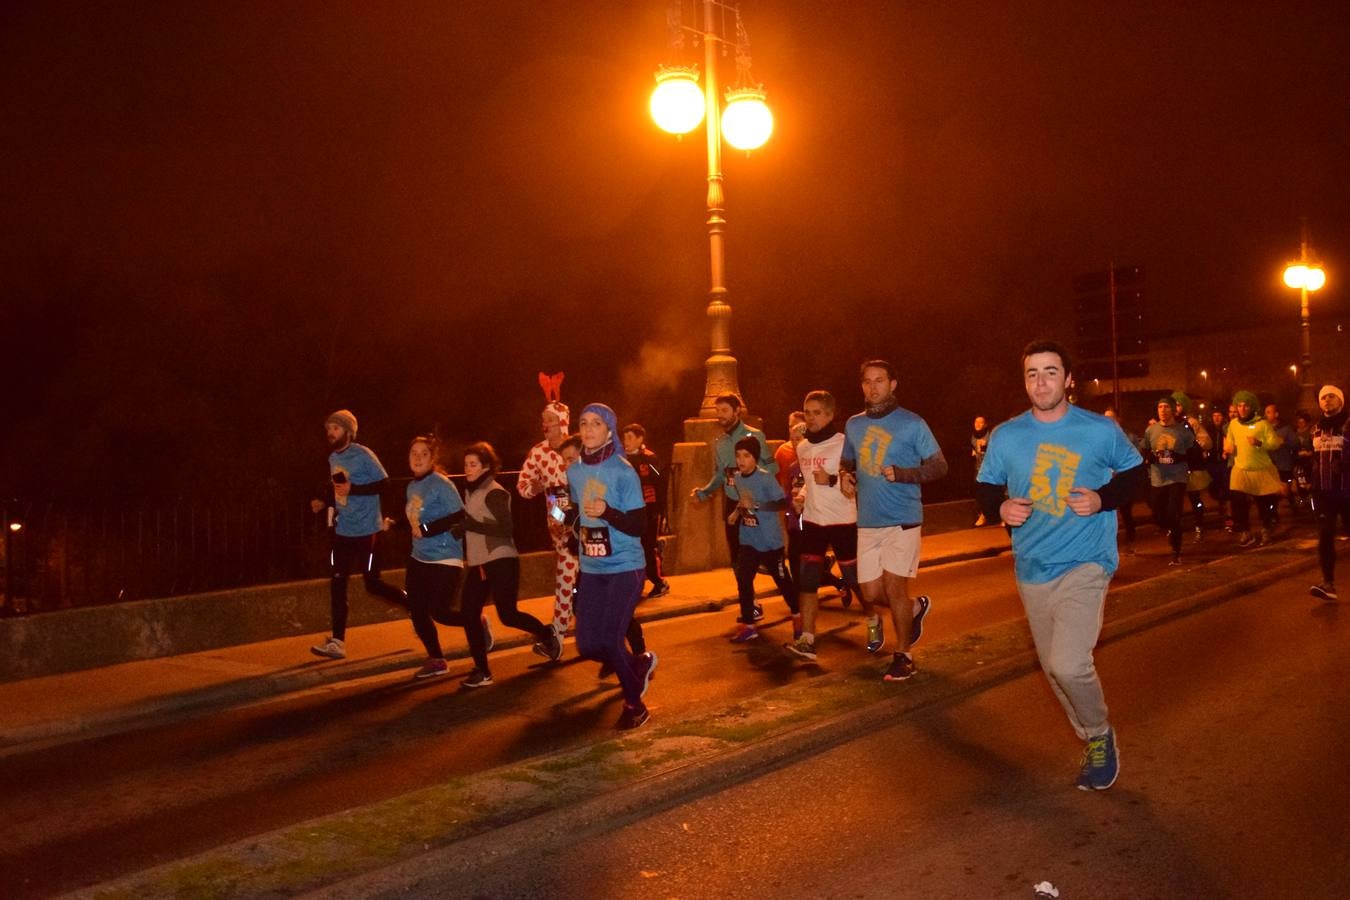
(743, 119)
(1305, 276)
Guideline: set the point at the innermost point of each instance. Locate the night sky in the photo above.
(223, 220)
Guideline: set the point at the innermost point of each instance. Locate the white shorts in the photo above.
(892, 549)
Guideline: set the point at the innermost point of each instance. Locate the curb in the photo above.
(158, 710)
(482, 837)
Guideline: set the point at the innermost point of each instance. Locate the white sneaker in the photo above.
(333, 648)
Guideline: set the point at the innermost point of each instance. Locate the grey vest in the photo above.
(482, 548)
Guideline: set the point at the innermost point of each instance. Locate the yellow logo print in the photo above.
(1052, 477)
(595, 490)
(872, 453)
(414, 511)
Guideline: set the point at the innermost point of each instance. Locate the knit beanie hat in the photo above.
(345, 419)
(750, 444)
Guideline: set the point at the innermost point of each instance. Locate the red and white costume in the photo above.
(544, 468)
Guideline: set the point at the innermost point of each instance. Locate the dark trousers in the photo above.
(733, 532)
(1196, 501)
(1166, 502)
(359, 553)
(1242, 515)
(431, 600)
(605, 605)
(498, 580)
(747, 566)
(651, 545)
(1126, 510)
(1328, 507)
(637, 641)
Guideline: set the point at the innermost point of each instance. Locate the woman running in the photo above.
(436, 565)
(494, 564)
(607, 505)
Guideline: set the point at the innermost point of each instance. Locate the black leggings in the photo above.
(747, 566)
(500, 580)
(1167, 501)
(1242, 516)
(1328, 507)
(358, 552)
(431, 600)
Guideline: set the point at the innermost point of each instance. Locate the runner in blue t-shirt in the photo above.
(759, 498)
(607, 507)
(357, 480)
(436, 565)
(888, 453)
(1065, 471)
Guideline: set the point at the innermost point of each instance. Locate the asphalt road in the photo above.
(85, 812)
(1233, 724)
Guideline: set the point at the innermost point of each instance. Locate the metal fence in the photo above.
(63, 555)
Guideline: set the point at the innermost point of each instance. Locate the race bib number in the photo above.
(1164, 456)
(595, 542)
(749, 518)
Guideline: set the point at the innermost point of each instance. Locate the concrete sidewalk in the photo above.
(55, 709)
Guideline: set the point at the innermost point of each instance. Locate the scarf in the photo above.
(599, 455)
(824, 434)
(883, 409)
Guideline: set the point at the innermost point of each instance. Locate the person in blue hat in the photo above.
(609, 513)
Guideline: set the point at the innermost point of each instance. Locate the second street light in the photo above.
(744, 120)
(1305, 276)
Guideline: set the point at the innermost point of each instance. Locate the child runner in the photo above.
(760, 534)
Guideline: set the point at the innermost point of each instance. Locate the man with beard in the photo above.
(1330, 484)
(728, 407)
(357, 479)
(888, 453)
(1064, 469)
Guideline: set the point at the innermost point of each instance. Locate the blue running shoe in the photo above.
(916, 630)
(745, 634)
(1101, 763)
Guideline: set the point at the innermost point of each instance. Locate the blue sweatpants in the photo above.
(605, 607)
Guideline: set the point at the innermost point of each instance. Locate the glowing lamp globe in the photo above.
(747, 122)
(1310, 278)
(677, 102)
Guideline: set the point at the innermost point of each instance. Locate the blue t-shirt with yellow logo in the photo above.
(357, 514)
(1043, 461)
(604, 549)
(430, 498)
(899, 438)
(760, 528)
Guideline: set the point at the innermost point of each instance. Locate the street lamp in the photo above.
(1305, 276)
(12, 527)
(743, 118)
